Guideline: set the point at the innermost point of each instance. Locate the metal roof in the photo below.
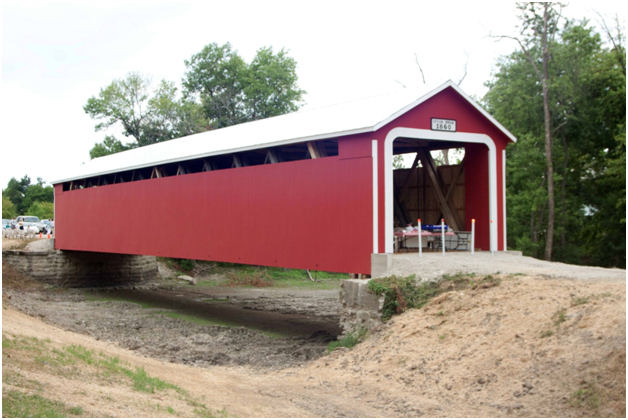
(343, 119)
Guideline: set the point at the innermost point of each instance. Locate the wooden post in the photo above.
(442, 234)
(420, 240)
(472, 236)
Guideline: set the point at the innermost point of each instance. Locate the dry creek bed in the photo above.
(262, 328)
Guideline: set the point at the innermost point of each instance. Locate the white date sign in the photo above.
(440, 124)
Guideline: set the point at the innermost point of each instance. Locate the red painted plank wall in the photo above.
(313, 214)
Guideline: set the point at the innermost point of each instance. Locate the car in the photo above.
(6, 223)
(30, 223)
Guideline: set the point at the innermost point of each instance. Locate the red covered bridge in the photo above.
(313, 189)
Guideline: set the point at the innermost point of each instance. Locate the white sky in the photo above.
(57, 54)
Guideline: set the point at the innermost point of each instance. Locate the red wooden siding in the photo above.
(313, 214)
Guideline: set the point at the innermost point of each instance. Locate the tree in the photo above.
(8, 209)
(41, 209)
(587, 109)
(23, 194)
(232, 91)
(108, 146)
(16, 190)
(145, 116)
(539, 24)
(37, 192)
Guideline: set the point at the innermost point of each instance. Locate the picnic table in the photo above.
(433, 240)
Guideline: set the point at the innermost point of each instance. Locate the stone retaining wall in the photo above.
(82, 269)
(360, 308)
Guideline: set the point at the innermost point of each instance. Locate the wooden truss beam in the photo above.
(156, 173)
(271, 157)
(430, 167)
(237, 162)
(315, 151)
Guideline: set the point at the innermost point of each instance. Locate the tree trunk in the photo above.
(549, 240)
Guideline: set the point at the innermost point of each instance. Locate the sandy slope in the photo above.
(502, 351)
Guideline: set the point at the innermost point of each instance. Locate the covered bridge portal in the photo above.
(313, 189)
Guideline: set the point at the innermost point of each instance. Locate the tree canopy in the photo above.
(20, 195)
(145, 115)
(587, 89)
(232, 91)
(219, 89)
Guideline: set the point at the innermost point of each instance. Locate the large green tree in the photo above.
(232, 91)
(586, 84)
(144, 115)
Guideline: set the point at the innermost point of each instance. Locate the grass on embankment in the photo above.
(53, 365)
(214, 274)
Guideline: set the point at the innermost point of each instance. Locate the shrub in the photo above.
(401, 293)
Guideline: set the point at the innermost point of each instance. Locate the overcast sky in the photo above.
(56, 54)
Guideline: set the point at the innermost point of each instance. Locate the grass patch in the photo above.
(587, 397)
(547, 333)
(580, 300)
(31, 354)
(144, 383)
(348, 341)
(243, 275)
(559, 317)
(19, 404)
(402, 293)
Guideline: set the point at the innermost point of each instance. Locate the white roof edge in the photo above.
(368, 127)
(223, 152)
(436, 91)
(484, 112)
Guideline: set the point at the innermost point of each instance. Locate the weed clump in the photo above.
(402, 293)
(348, 341)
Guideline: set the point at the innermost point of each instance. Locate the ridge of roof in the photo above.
(337, 120)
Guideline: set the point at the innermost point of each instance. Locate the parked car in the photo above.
(31, 223)
(6, 224)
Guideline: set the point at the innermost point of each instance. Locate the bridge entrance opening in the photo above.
(428, 184)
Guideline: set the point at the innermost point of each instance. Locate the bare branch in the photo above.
(416, 59)
(466, 63)
(525, 51)
(617, 48)
(402, 85)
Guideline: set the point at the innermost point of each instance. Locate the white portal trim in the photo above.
(460, 137)
(504, 194)
(375, 198)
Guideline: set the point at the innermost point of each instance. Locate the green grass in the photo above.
(66, 361)
(587, 397)
(243, 275)
(401, 293)
(559, 317)
(547, 333)
(19, 404)
(348, 341)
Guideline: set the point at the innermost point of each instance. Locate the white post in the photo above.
(492, 249)
(442, 234)
(472, 236)
(420, 244)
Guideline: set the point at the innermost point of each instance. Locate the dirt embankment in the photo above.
(532, 346)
